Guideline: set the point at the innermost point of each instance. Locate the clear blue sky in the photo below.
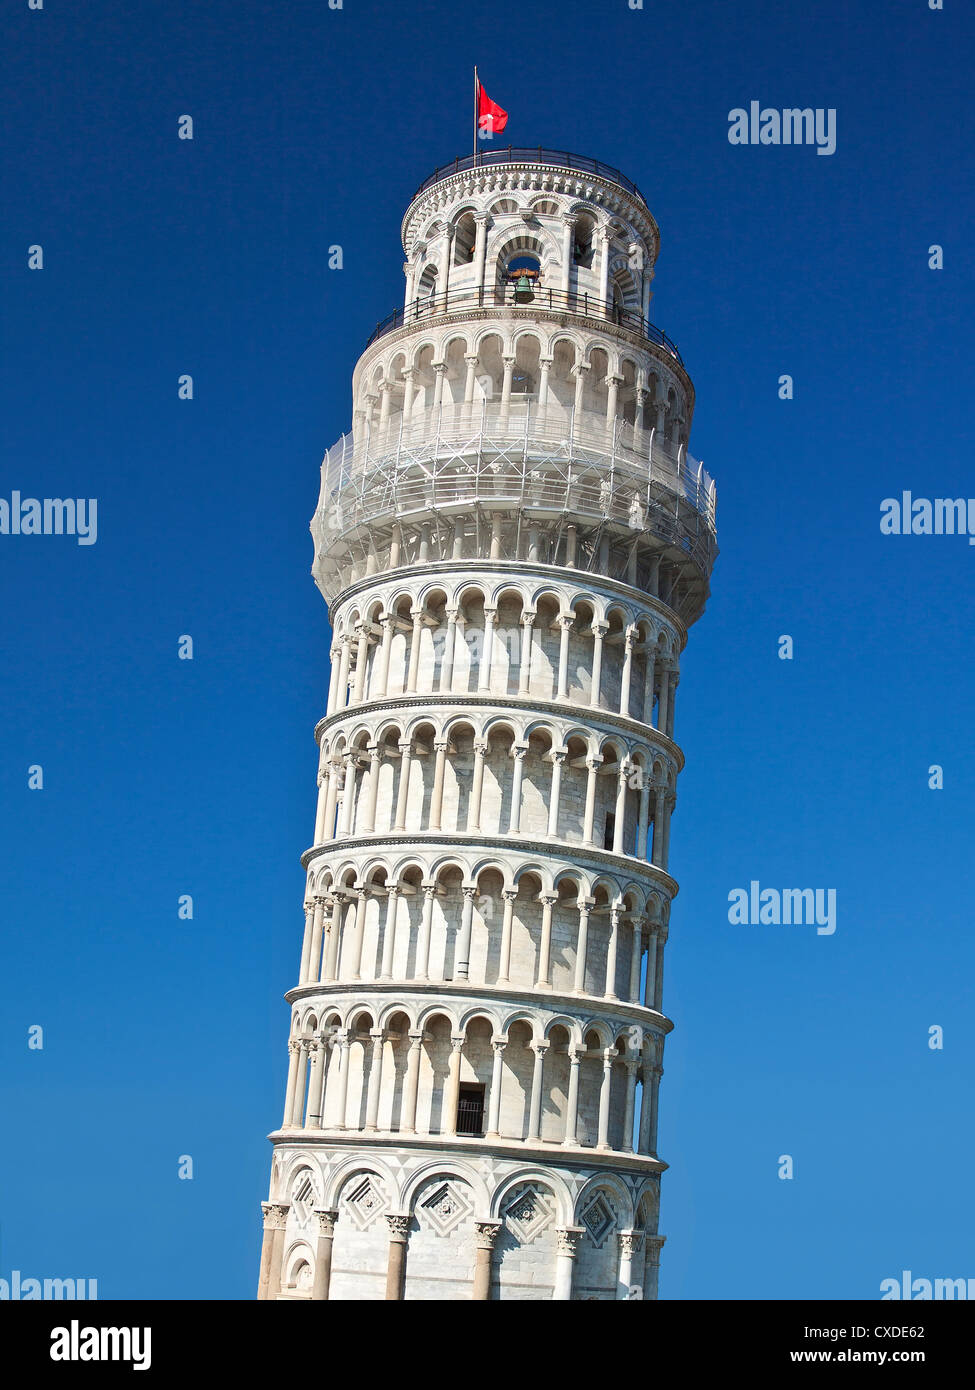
(162, 777)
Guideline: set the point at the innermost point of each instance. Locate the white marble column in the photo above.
(518, 751)
(609, 1054)
(477, 787)
(572, 1102)
(548, 901)
(558, 758)
(463, 961)
(403, 790)
(504, 962)
(411, 1084)
(494, 1098)
(592, 765)
(448, 1119)
(538, 1079)
(568, 1239)
(389, 932)
(375, 1076)
(599, 631)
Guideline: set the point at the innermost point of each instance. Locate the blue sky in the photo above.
(162, 777)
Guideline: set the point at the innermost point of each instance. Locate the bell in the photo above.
(524, 293)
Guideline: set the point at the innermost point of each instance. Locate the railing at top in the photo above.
(503, 297)
(560, 158)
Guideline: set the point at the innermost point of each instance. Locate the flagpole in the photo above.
(475, 115)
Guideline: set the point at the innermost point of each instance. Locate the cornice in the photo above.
(480, 700)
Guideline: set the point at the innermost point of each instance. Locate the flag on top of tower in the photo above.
(491, 118)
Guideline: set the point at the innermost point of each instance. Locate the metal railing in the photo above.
(427, 307)
(562, 159)
(525, 456)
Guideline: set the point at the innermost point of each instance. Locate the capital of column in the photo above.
(568, 1240)
(485, 1233)
(326, 1219)
(399, 1227)
(275, 1215)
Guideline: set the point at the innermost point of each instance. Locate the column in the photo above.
(426, 925)
(350, 764)
(535, 1103)
(599, 630)
(450, 643)
(656, 853)
(669, 805)
(320, 805)
(558, 758)
(411, 1085)
(525, 667)
(504, 963)
(627, 1240)
(572, 1102)
(375, 757)
(342, 692)
(334, 657)
(631, 1066)
(568, 223)
(579, 371)
(471, 359)
(328, 823)
(272, 1249)
(636, 960)
(407, 392)
(388, 625)
(417, 615)
(385, 401)
(480, 246)
(613, 384)
(643, 1140)
(389, 932)
(477, 787)
(443, 279)
(303, 969)
(590, 813)
(627, 671)
(611, 953)
(399, 1232)
(359, 931)
(648, 684)
(658, 984)
(330, 972)
(509, 367)
(655, 1074)
(643, 824)
(318, 1046)
(463, 962)
(545, 364)
(654, 1244)
(361, 664)
(672, 681)
(604, 247)
(548, 901)
(650, 987)
(582, 940)
(568, 1239)
(298, 1113)
(498, 1046)
(440, 371)
(641, 405)
(565, 622)
(518, 751)
(664, 701)
(436, 796)
(343, 1042)
(604, 1091)
(323, 1254)
(484, 1235)
(294, 1062)
(402, 791)
(375, 1075)
(448, 1119)
(622, 777)
(484, 683)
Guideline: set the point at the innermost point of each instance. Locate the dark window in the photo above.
(610, 831)
(470, 1110)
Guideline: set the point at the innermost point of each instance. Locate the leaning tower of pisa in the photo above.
(513, 541)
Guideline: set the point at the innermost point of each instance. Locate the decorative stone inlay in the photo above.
(445, 1208)
(366, 1203)
(529, 1212)
(598, 1219)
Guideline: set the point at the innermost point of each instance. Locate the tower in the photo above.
(513, 542)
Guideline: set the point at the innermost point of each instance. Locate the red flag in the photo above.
(491, 118)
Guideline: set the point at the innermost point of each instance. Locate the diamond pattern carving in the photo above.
(366, 1202)
(599, 1219)
(445, 1208)
(528, 1212)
